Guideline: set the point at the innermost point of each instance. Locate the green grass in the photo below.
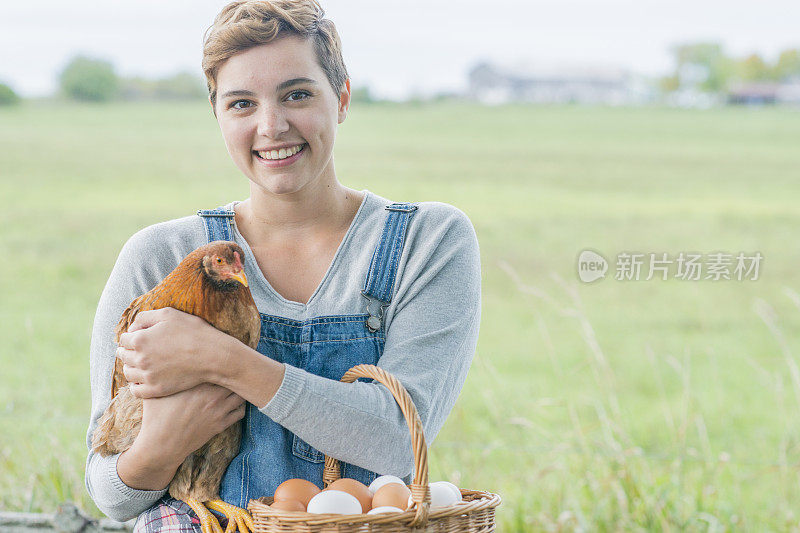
(611, 406)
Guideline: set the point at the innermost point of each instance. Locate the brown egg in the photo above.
(393, 495)
(356, 488)
(288, 505)
(300, 490)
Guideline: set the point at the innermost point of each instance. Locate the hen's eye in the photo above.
(219, 260)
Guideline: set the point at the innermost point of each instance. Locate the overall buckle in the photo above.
(375, 310)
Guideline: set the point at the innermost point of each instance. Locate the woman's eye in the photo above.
(235, 104)
(303, 95)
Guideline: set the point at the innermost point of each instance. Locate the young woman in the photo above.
(341, 277)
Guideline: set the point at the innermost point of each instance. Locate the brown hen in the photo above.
(209, 283)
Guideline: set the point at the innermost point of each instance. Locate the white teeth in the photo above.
(283, 153)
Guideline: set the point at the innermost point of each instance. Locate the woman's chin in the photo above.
(278, 185)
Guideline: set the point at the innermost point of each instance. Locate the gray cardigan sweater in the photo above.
(431, 335)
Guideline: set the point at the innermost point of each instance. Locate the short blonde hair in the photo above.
(245, 24)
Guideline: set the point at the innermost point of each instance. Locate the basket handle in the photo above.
(420, 493)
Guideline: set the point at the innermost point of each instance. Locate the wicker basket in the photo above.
(475, 514)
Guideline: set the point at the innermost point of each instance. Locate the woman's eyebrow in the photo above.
(281, 86)
(294, 81)
(238, 92)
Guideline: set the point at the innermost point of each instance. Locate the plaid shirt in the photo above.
(169, 515)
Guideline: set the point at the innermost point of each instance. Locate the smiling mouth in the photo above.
(283, 153)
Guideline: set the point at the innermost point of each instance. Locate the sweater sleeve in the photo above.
(431, 336)
(142, 263)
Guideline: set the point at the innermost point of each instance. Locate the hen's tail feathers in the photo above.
(101, 438)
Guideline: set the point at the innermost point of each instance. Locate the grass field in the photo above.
(616, 405)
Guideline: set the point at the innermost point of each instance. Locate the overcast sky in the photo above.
(397, 47)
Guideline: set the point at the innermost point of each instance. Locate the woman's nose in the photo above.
(272, 121)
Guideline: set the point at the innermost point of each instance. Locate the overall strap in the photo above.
(218, 223)
(379, 285)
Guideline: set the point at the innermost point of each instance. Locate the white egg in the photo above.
(335, 502)
(385, 509)
(455, 489)
(383, 480)
(441, 496)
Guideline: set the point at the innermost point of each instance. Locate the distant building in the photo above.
(765, 93)
(494, 84)
(789, 92)
(754, 93)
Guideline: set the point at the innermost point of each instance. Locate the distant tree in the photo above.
(751, 68)
(181, 86)
(361, 94)
(704, 64)
(669, 83)
(137, 88)
(89, 79)
(705, 67)
(7, 95)
(788, 65)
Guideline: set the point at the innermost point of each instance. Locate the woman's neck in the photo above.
(321, 208)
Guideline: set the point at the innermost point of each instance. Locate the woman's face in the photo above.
(277, 97)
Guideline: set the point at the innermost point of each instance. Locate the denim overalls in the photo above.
(327, 346)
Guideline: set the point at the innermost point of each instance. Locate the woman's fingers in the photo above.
(133, 375)
(234, 416)
(141, 391)
(228, 407)
(125, 355)
(237, 411)
(146, 319)
(233, 401)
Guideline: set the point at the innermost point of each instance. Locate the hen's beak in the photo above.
(240, 277)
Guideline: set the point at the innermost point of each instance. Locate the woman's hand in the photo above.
(185, 421)
(166, 351)
(172, 428)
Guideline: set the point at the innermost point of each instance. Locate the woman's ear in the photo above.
(344, 101)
